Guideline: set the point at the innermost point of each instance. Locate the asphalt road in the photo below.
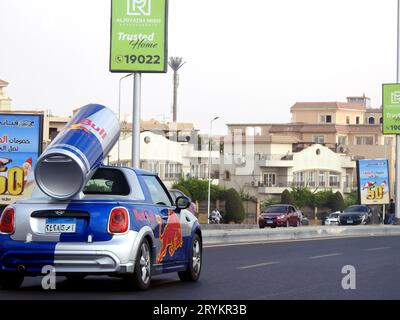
(285, 270)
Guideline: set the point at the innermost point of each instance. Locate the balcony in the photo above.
(273, 189)
(274, 160)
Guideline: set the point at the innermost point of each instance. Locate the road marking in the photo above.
(326, 255)
(258, 265)
(374, 249)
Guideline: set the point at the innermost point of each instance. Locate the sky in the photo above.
(246, 61)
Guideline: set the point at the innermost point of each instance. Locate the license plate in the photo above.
(60, 227)
(270, 221)
(349, 221)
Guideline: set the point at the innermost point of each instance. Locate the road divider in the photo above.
(232, 235)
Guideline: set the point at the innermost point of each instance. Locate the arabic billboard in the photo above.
(373, 181)
(20, 147)
(138, 36)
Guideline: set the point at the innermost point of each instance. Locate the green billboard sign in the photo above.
(138, 36)
(391, 108)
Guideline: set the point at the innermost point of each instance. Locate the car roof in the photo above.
(136, 170)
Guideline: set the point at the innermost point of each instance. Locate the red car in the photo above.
(280, 215)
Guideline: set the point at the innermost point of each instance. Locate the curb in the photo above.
(232, 236)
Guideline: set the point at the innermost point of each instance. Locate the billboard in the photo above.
(138, 41)
(20, 147)
(373, 181)
(391, 108)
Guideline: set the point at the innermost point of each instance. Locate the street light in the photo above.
(209, 169)
(119, 111)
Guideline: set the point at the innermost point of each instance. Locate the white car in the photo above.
(332, 219)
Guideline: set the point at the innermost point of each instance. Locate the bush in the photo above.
(338, 202)
(286, 197)
(233, 206)
(197, 189)
(351, 198)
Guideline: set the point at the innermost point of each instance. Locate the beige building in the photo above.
(350, 128)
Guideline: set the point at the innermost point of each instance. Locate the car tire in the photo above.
(10, 280)
(273, 226)
(195, 261)
(262, 227)
(141, 277)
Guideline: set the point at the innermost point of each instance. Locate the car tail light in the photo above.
(118, 221)
(7, 221)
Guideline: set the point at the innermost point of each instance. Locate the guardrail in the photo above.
(228, 234)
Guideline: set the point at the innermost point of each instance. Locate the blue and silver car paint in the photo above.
(93, 250)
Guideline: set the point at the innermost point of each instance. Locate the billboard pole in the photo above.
(397, 165)
(137, 81)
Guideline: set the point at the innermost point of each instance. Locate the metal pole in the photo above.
(119, 114)
(136, 120)
(209, 173)
(397, 167)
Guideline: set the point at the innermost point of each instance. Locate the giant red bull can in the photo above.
(70, 160)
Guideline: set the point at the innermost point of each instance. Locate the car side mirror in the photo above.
(181, 203)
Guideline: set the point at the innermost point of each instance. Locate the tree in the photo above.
(338, 202)
(286, 197)
(233, 206)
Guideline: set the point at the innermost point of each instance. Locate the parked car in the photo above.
(355, 214)
(175, 193)
(280, 215)
(332, 218)
(123, 224)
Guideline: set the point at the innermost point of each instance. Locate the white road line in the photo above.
(326, 255)
(374, 249)
(258, 265)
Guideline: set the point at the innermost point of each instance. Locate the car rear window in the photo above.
(107, 181)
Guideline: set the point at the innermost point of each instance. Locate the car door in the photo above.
(168, 230)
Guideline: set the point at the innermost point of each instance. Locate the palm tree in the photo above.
(175, 63)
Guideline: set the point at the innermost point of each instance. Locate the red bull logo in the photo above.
(88, 125)
(170, 237)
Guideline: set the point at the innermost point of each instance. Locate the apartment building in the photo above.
(349, 129)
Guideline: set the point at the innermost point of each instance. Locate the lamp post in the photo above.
(209, 169)
(119, 112)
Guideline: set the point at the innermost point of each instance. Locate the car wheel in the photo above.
(11, 280)
(195, 256)
(142, 273)
(273, 226)
(262, 227)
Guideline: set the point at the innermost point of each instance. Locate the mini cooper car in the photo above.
(123, 224)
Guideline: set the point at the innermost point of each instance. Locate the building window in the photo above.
(269, 179)
(357, 120)
(371, 120)
(321, 179)
(334, 179)
(342, 139)
(326, 118)
(364, 140)
(227, 175)
(347, 119)
(311, 179)
(319, 139)
(380, 120)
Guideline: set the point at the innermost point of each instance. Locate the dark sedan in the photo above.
(280, 215)
(356, 214)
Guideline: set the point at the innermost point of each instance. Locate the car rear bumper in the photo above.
(104, 257)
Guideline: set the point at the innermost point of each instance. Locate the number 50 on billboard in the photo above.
(373, 181)
(138, 36)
